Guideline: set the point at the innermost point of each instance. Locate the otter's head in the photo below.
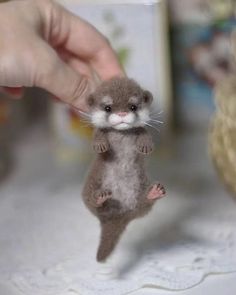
(121, 104)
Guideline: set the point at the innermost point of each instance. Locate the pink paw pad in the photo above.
(102, 197)
(156, 192)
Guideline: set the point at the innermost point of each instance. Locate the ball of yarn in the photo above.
(223, 132)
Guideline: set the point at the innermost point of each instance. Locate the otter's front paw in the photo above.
(99, 198)
(100, 146)
(145, 147)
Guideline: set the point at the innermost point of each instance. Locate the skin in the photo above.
(44, 45)
(117, 189)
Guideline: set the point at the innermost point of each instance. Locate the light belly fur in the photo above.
(122, 176)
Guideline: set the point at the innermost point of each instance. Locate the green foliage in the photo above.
(123, 55)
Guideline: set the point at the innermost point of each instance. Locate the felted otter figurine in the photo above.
(117, 189)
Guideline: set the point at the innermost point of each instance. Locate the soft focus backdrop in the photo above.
(180, 50)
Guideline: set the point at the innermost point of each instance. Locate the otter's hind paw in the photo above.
(157, 191)
(101, 197)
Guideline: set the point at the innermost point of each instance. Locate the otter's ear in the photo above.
(90, 100)
(147, 97)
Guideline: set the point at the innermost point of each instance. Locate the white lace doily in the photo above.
(48, 238)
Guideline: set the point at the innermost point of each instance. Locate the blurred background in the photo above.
(178, 49)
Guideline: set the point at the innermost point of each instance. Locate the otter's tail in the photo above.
(110, 235)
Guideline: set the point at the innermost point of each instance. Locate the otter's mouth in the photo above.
(121, 126)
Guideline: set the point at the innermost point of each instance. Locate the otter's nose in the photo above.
(122, 114)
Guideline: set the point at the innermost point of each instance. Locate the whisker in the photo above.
(85, 118)
(85, 121)
(86, 124)
(156, 121)
(84, 114)
(155, 112)
(79, 112)
(156, 118)
(145, 123)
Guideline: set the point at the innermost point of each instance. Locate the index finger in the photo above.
(86, 42)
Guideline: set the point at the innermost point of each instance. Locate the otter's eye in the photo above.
(133, 108)
(107, 109)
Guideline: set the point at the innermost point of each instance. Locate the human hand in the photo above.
(44, 45)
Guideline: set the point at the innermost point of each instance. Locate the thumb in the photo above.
(55, 76)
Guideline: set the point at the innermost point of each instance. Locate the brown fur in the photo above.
(124, 149)
(121, 89)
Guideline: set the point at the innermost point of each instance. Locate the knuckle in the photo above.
(79, 89)
(45, 71)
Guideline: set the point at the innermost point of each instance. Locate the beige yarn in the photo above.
(223, 132)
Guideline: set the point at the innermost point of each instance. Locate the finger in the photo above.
(60, 79)
(106, 65)
(84, 41)
(82, 68)
(79, 65)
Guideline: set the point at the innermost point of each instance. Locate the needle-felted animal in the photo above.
(117, 189)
